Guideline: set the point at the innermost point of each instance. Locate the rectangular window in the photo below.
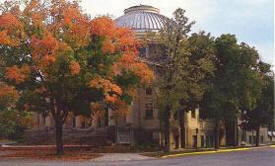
(142, 52)
(207, 141)
(202, 141)
(250, 139)
(212, 141)
(193, 114)
(149, 111)
(194, 141)
(149, 91)
(262, 139)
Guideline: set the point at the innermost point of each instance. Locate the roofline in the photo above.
(141, 8)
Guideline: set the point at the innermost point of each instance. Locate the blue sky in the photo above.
(251, 20)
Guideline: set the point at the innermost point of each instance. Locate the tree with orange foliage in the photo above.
(62, 62)
(12, 121)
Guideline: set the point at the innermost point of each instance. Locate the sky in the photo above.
(252, 21)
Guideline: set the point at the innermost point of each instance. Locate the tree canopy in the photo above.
(184, 63)
(60, 61)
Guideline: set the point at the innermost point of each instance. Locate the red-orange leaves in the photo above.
(35, 13)
(16, 74)
(143, 71)
(45, 46)
(76, 27)
(11, 30)
(9, 21)
(70, 14)
(44, 50)
(110, 98)
(5, 39)
(8, 94)
(108, 46)
(128, 59)
(74, 67)
(111, 90)
(103, 27)
(115, 38)
(106, 85)
(126, 40)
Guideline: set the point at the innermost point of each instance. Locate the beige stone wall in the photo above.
(138, 113)
(250, 137)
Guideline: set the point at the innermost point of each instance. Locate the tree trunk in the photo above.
(106, 117)
(236, 133)
(167, 129)
(182, 129)
(258, 136)
(217, 134)
(58, 137)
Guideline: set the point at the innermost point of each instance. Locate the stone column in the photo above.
(48, 121)
(129, 116)
(95, 122)
(41, 121)
(111, 121)
(78, 121)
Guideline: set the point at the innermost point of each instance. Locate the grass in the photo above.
(5, 141)
(48, 153)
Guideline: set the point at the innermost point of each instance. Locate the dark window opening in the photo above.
(149, 91)
(175, 116)
(262, 139)
(193, 114)
(149, 111)
(44, 120)
(142, 51)
(211, 141)
(202, 141)
(74, 122)
(82, 124)
(194, 141)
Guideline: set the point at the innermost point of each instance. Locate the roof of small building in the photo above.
(142, 18)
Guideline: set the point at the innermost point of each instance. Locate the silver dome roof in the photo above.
(142, 18)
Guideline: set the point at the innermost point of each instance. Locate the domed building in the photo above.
(141, 125)
(142, 19)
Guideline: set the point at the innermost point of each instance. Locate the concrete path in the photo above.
(122, 157)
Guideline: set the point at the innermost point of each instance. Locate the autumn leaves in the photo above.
(55, 41)
(63, 62)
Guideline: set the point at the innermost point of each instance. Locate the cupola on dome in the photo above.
(142, 18)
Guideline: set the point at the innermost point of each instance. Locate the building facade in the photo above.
(142, 124)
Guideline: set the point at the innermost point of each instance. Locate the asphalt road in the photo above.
(255, 157)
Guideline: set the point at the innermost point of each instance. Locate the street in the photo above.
(255, 157)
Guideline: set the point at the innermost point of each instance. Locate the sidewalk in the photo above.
(122, 157)
(2, 144)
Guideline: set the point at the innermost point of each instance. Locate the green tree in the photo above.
(261, 115)
(236, 84)
(183, 64)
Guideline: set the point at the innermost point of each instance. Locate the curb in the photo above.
(212, 152)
